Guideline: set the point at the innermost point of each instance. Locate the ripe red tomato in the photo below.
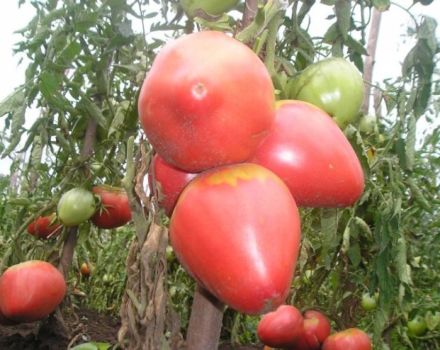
(30, 291)
(236, 229)
(85, 269)
(170, 182)
(281, 327)
(311, 154)
(208, 100)
(115, 209)
(349, 339)
(45, 227)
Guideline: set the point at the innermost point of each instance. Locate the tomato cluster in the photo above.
(232, 165)
(286, 328)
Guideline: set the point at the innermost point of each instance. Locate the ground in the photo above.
(85, 326)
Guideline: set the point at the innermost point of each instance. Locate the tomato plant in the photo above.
(45, 227)
(334, 85)
(30, 291)
(114, 210)
(238, 225)
(280, 328)
(310, 153)
(170, 181)
(349, 339)
(76, 206)
(211, 7)
(189, 106)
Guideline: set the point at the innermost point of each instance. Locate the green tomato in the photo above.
(76, 206)
(211, 7)
(368, 124)
(368, 302)
(334, 85)
(417, 326)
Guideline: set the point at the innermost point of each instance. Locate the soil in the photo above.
(84, 325)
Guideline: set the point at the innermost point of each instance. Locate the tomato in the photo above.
(417, 326)
(76, 206)
(316, 328)
(368, 124)
(333, 84)
(207, 101)
(311, 154)
(45, 227)
(368, 302)
(281, 327)
(212, 7)
(30, 291)
(236, 229)
(349, 339)
(85, 269)
(170, 181)
(115, 209)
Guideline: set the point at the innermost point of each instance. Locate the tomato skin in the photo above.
(76, 206)
(280, 328)
(368, 302)
(417, 326)
(207, 101)
(211, 7)
(30, 291)
(311, 154)
(171, 182)
(232, 242)
(349, 339)
(44, 227)
(115, 211)
(85, 269)
(334, 85)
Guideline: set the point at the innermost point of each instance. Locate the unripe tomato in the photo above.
(115, 209)
(211, 7)
(368, 302)
(307, 150)
(236, 229)
(417, 326)
(334, 85)
(76, 206)
(349, 339)
(208, 100)
(281, 327)
(170, 182)
(45, 227)
(30, 291)
(368, 124)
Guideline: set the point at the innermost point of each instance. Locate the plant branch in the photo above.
(369, 60)
(250, 10)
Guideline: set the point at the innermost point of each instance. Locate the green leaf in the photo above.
(410, 143)
(356, 46)
(49, 84)
(92, 346)
(328, 2)
(401, 264)
(93, 111)
(119, 118)
(332, 34)
(354, 254)
(382, 5)
(69, 53)
(13, 102)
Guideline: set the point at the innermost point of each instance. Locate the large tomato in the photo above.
(170, 182)
(311, 154)
(417, 326)
(207, 101)
(76, 206)
(115, 209)
(236, 229)
(349, 339)
(45, 227)
(280, 328)
(334, 85)
(211, 7)
(30, 291)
